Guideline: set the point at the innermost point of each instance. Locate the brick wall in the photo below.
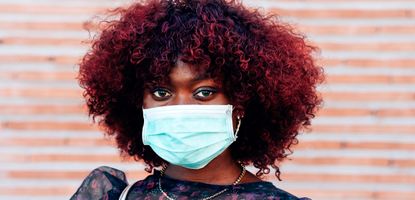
(362, 144)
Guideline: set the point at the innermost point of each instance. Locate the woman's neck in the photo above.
(222, 170)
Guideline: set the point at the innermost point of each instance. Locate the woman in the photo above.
(199, 88)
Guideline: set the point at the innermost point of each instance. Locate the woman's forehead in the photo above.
(183, 72)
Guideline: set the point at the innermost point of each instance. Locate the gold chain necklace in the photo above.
(206, 198)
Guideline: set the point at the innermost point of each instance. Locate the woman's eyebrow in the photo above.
(157, 83)
(200, 77)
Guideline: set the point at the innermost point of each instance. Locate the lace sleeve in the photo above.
(102, 183)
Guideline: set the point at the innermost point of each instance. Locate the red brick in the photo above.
(345, 13)
(43, 109)
(42, 125)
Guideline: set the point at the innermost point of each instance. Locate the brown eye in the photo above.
(161, 93)
(204, 93)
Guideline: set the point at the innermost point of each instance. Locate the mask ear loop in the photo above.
(238, 126)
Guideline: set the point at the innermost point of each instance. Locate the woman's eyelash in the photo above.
(164, 92)
(210, 91)
(206, 89)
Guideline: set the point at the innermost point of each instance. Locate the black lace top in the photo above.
(105, 183)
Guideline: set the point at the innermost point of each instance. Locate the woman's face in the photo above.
(185, 87)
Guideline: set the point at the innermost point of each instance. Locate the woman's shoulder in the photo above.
(102, 183)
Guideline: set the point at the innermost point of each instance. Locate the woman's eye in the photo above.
(204, 93)
(161, 93)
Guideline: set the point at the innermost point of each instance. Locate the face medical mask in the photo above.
(188, 135)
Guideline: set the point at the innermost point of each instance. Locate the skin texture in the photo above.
(186, 87)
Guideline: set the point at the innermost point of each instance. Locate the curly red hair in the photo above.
(266, 69)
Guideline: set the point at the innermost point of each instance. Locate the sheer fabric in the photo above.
(105, 183)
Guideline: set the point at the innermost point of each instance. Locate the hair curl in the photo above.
(267, 71)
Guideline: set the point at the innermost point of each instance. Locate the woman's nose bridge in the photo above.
(183, 97)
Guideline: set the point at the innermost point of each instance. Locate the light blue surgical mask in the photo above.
(190, 136)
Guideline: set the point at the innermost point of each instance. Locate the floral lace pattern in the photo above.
(105, 183)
